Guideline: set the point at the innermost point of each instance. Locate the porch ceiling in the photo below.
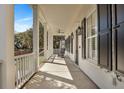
(60, 16)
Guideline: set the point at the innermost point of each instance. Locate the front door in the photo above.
(79, 47)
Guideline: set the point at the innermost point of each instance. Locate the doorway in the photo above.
(58, 44)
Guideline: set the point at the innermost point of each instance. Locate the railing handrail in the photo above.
(56, 49)
(24, 55)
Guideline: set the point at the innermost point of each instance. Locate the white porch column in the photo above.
(36, 34)
(7, 65)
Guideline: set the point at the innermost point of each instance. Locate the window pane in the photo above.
(89, 26)
(89, 48)
(94, 22)
(94, 48)
(93, 31)
(91, 38)
(41, 37)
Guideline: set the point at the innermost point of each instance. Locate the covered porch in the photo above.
(17, 70)
(89, 53)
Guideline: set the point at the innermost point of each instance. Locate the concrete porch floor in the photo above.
(59, 73)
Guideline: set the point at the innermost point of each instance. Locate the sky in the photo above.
(23, 17)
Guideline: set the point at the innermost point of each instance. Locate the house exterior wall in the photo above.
(100, 76)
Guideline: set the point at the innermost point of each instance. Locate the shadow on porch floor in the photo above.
(59, 73)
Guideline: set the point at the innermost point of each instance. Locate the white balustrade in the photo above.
(41, 53)
(56, 51)
(41, 57)
(25, 68)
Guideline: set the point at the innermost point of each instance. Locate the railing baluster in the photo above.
(19, 72)
(16, 60)
(21, 69)
(28, 67)
(24, 68)
(31, 63)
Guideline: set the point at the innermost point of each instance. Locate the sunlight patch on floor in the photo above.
(45, 80)
(59, 74)
(61, 62)
(58, 68)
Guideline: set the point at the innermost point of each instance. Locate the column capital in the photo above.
(34, 5)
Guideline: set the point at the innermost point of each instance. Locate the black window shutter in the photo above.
(69, 43)
(72, 42)
(118, 26)
(104, 36)
(83, 30)
(47, 40)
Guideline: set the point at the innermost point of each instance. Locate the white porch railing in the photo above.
(56, 51)
(41, 53)
(25, 68)
(41, 57)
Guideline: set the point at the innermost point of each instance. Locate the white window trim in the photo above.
(94, 61)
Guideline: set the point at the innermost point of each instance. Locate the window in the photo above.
(92, 36)
(47, 40)
(72, 42)
(67, 44)
(41, 37)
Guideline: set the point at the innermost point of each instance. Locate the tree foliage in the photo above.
(24, 40)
